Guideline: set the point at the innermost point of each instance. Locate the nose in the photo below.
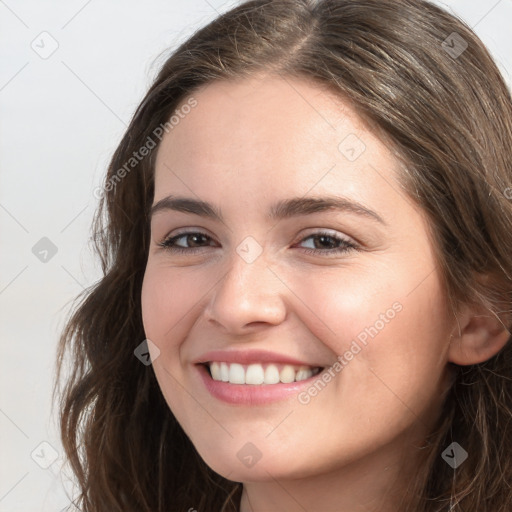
(248, 298)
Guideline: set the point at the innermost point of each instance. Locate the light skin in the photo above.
(245, 146)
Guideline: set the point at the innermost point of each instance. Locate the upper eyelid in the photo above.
(187, 231)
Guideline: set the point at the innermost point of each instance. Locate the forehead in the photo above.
(269, 107)
(280, 129)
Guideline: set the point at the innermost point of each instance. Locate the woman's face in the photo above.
(281, 282)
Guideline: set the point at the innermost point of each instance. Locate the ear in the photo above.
(479, 336)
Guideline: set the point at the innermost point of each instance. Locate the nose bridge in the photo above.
(249, 291)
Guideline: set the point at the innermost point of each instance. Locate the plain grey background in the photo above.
(72, 74)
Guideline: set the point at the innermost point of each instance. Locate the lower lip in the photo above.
(251, 394)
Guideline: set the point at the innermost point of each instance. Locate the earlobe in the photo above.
(479, 336)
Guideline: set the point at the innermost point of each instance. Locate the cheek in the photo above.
(167, 298)
(390, 335)
(156, 304)
(344, 304)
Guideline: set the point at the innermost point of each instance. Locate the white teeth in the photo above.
(224, 372)
(271, 374)
(215, 369)
(256, 374)
(304, 373)
(236, 374)
(287, 374)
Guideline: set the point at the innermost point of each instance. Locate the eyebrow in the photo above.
(283, 209)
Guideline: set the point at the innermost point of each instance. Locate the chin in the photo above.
(246, 463)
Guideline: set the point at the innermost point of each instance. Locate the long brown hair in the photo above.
(423, 80)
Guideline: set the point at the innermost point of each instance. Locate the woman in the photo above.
(369, 370)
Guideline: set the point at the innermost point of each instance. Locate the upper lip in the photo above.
(251, 356)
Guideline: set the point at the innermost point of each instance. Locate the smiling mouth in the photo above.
(259, 374)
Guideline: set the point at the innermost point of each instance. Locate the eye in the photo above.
(328, 241)
(190, 236)
(328, 244)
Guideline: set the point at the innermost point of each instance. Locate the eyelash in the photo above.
(168, 244)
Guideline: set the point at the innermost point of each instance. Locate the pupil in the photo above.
(323, 239)
(195, 237)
